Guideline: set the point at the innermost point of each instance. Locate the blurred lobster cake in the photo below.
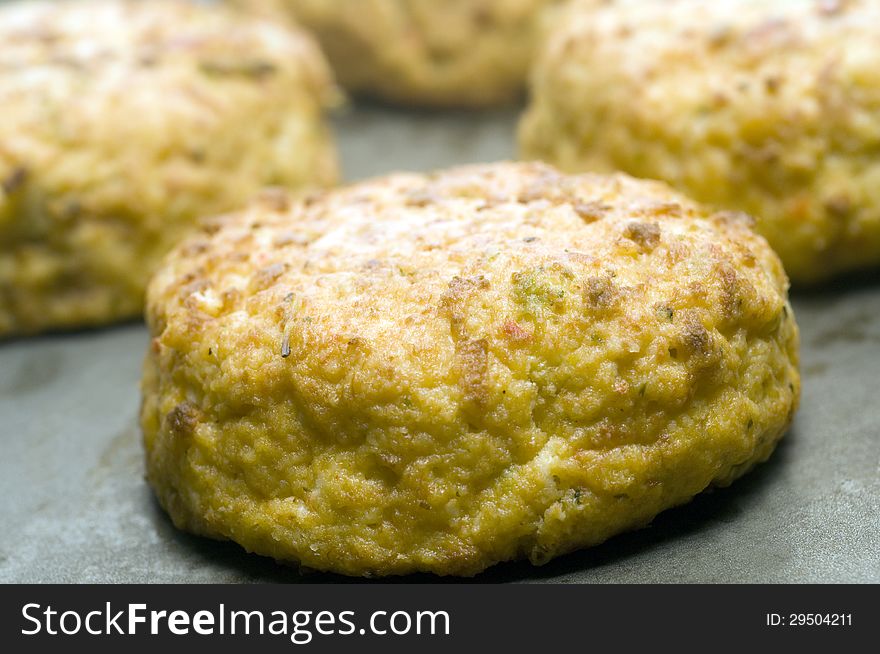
(445, 53)
(438, 373)
(772, 108)
(122, 123)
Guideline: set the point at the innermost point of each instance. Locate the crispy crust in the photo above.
(122, 124)
(772, 108)
(442, 372)
(441, 53)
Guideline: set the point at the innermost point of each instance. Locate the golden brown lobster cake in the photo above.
(122, 123)
(772, 108)
(441, 372)
(443, 53)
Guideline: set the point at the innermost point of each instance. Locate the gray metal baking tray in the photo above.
(75, 508)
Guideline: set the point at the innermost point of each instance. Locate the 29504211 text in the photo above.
(809, 620)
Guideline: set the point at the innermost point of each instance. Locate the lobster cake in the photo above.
(442, 372)
(771, 108)
(123, 123)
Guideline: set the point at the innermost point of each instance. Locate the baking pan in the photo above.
(75, 507)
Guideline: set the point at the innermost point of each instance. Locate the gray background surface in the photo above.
(75, 508)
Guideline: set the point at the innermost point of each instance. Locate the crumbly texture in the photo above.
(772, 108)
(446, 53)
(438, 373)
(122, 124)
